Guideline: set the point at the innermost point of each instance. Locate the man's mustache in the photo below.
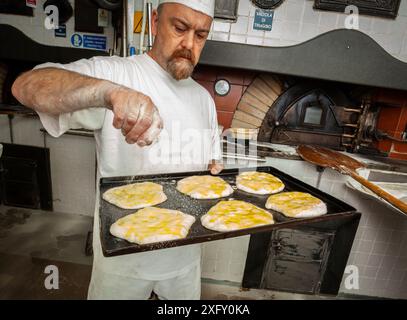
(184, 53)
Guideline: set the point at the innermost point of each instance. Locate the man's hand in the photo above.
(215, 167)
(136, 116)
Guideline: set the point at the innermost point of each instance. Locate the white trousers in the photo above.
(106, 286)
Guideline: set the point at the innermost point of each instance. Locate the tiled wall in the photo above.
(296, 21)
(73, 163)
(34, 28)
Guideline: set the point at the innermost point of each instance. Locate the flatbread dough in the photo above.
(235, 215)
(136, 195)
(204, 187)
(153, 224)
(259, 182)
(296, 205)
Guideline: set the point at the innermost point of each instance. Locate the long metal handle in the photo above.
(379, 191)
(149, 19)
(124, 29)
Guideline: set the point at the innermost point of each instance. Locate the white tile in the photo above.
(403, 8)
(395, 43)
(220, 36)
(328, 19)
(365, 23)
(73, 165)
(325, 29)
(310, 15)
(221, 26)
(381, 26)
(26, 131)
(294, 11)
(254, 41)
(244, 7)
(240, 26)
(291, 31)
(308, 31)
(270, 42)
(237, 38)
(280, 12)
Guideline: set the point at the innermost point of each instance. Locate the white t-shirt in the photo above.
(188, 142)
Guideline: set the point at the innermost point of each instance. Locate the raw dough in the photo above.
(153, 224)
(136, 195)
(204, 187)
(235, 215)
(296, 204)
(259, 182)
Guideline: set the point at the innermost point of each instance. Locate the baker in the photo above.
(140, 108)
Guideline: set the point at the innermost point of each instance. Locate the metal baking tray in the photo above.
(109, 213)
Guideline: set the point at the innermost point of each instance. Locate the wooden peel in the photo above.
(346, 165)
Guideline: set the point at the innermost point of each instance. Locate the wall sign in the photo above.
(76, 40)
(263, 20)
(89, 41)
(94, 42)
(61, 31)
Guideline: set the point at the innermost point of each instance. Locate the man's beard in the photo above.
(181, 68)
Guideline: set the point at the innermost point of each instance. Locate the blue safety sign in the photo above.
(94, 42)
(76, 40)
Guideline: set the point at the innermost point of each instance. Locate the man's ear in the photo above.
(154, 22)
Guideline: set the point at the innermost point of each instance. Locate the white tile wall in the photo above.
(296, 21)
(34, 28)
(73, 174)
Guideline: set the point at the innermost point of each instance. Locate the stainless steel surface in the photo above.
(149, 19)
(124, 29)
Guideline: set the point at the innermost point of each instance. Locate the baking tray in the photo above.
(109, 213)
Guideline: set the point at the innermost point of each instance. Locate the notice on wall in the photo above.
(61, 31)
(89, 41)
(94, 42)
(31, 3)
(263, 20)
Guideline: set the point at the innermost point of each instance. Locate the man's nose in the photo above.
(188, 40)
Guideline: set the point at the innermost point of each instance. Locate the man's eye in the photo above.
(201, 36)
(178, 29)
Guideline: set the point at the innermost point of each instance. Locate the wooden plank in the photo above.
(256, 92)
(251, 110)
(263, 87)
(275, 85)
(262, 108)
(240, 124)
(245, 117)
(253, 101)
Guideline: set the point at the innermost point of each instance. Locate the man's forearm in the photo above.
(56, 91)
